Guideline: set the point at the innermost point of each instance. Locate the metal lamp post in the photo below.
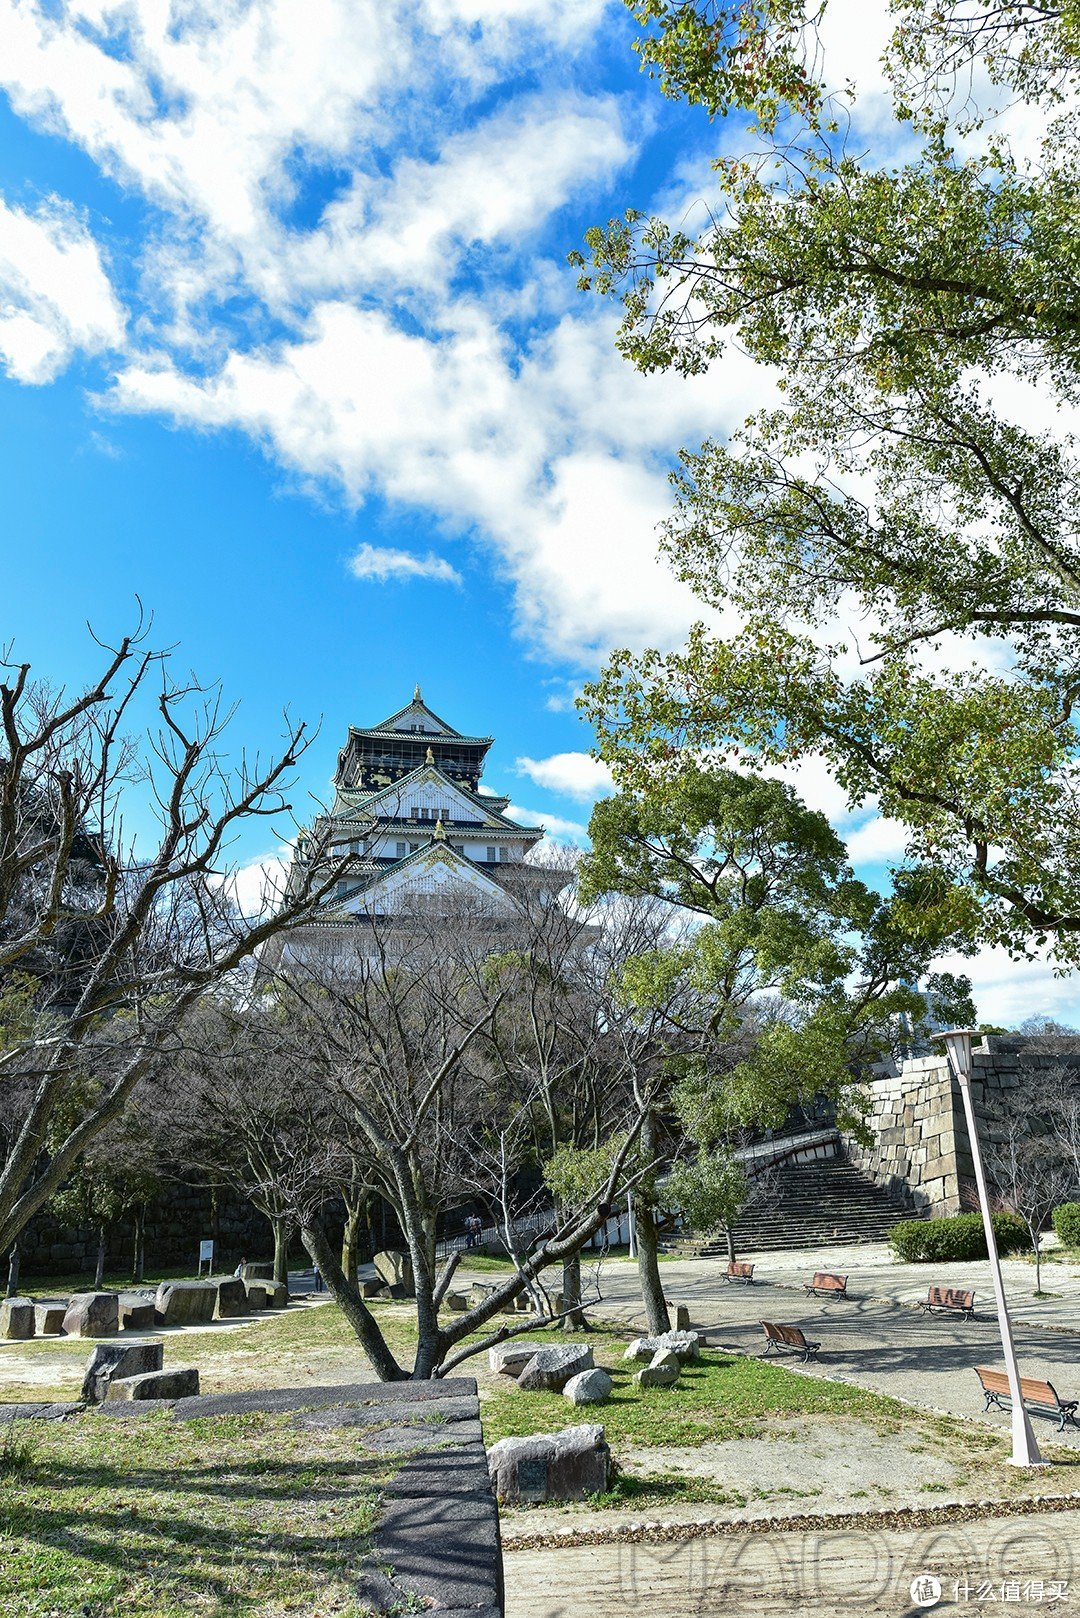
(1025, 1451)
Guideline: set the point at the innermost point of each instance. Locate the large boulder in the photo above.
(550, 1369)
(661, 1372)
(92, 1314)
(179, 1384)
(185, 1303)
(277, 1294)
(231, 1299)
(457, 1303)
(49, 1319)
(685, 1344)
(113, 1360)
(256, 1295)
(589, 1387)
(395, 1268)
(510, 1359)
(17, 1317)
(262, 1271)
(550, 1466)
(137, 1314)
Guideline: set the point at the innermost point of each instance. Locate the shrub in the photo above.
(18, 1450)
(1067, 1223)
(956, 1239)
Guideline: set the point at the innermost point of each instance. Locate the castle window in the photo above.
(401, 849)
(492, 854)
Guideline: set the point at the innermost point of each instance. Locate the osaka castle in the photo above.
(409, 810)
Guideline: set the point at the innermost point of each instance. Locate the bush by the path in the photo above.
(958, 1238)
(1067, 1223)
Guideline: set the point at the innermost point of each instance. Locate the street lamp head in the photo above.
(957, 1042)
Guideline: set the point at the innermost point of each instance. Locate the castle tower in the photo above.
(409, 810)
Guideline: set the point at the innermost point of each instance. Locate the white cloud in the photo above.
(55, 297)
(383, 563)
(879, 841)
(554, 825)
(575, 775)
(1008, 991)
(257, 886)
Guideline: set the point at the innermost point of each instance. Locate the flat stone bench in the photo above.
(438, 1529)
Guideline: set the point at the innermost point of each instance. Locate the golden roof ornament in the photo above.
(416, 693)
(429, 756)
(440, 830)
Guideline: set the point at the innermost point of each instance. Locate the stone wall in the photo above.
(921, 1147)
(176, 1222)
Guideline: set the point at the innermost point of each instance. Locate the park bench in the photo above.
(1040, 1398)
(825, 1285)
(949, 1300)
(787, 1340)
(740, 1272)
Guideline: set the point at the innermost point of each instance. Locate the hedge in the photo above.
(1067, 1223)
(937, 1241)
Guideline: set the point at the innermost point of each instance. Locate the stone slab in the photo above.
(180, 1383)
(38, 1412)
(444, 1552)
(510, 1359)
(232, 1299)
(184, 1303)
(49, 1319)
(137, 1316)
(112, 1361)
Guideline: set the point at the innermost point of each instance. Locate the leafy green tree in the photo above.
(794, 977)
(896, 532)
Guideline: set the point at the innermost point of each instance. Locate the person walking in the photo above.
(238, 1273)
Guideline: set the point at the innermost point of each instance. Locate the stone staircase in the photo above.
(823, 1204)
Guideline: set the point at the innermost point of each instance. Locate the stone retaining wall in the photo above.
(175, 1223)
(921, 1147)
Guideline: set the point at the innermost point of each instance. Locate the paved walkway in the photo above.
(873, 1275)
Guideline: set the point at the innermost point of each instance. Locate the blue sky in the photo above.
(290, 351)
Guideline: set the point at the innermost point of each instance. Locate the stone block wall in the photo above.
(921, 1148)
(176, 1221)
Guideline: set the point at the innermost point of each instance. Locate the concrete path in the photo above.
(1021, 1562)
(873, 1275)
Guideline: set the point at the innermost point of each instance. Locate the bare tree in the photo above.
(155, 930)
(1032, 1164)
(395, 1032)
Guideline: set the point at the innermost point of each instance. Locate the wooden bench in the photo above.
(828, 1286)
(949, 1300)
(1041, 1398)
(740, 1272)
(787, 1340)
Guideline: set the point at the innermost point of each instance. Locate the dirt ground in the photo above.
(1021, 1563)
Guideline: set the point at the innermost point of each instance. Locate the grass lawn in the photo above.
(238, 1515)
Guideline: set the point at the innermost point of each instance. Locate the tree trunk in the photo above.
(138, 1265)
(571, 1294)
(648, 1261)
(282, 1232)
(350, 1241)
(352, 1305)
(730, 1234)
(99, 1273)
(13, 1271)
